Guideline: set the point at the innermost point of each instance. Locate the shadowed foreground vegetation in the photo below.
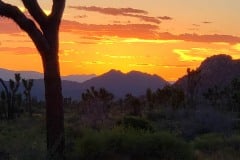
(160, 125)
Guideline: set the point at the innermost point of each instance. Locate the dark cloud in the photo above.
(165, 18)
(145, 18)
(81, 16)
(196, 25)
(130, 12)
(144, 31)
(128, 30)
(207, 22)
(201, 38)
(110, 11)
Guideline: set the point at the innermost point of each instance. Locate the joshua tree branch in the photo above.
(35, 10)
(26, 24)
(57, 11)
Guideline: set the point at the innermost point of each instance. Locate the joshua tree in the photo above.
(28, 84)
(134, 103)
(14, 86)
(193, 79)
(44, 32)
(5, 95)
(97, 103)
(10, 94)
(150, 97)
(3, 111)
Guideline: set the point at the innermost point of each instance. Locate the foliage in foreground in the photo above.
(130, 144)
(22, 139)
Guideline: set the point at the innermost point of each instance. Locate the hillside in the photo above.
(218, 70)
(114, 81)
(133, 82)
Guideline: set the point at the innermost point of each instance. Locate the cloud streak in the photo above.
(110, 11)
(138, 31)
(201, 38)
(18, 50)
(8, 27)
(145, 31)
(130, 12)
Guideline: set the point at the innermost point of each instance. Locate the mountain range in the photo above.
(218, 70)
(6, 74)
(114, 81)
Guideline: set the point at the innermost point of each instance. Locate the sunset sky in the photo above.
(162, 37)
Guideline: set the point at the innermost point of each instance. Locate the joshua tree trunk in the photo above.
(45, 38)
(53, 95)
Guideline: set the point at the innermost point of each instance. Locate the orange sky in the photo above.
(156, 36)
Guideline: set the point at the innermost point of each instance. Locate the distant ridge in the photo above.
(120, 84)
(114, 81)
(6, 74)
(217, 70)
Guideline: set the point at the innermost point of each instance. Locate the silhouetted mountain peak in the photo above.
(217, 61)
(134, 82)
(113, 72)
(217, 70)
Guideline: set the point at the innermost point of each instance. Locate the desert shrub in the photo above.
(217, 146)
(22, 139)
(136, 123)
(234, 142)
(209, 143)
(130, 144)
(205, 121)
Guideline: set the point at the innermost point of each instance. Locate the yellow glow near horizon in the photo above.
(136, 40)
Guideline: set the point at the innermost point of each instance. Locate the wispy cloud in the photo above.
(18, 50)
(145, 31)
(81, 16)
(120, 56)
(199, 54)
(94, 62)
(142, 65)
(185, 55)
(137, 32)
(7, 26)
(196, 25)
(201, 38)
(207, 22)
(130, 12)
(165, 18)
(110, 11)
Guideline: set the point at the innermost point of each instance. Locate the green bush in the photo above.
(22, 139)
(216, 146)
(234, 142)
(121, 144)
(136, 123)
(209, 143)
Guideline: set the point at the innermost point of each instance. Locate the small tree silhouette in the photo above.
(133, 103)
(193, 79)
(10, 94)
(3, 110)
(28, 84)
(96, 105)
(14, 86)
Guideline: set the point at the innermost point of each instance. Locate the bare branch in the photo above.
(57, 10)
(35, 10)
(13, 12)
